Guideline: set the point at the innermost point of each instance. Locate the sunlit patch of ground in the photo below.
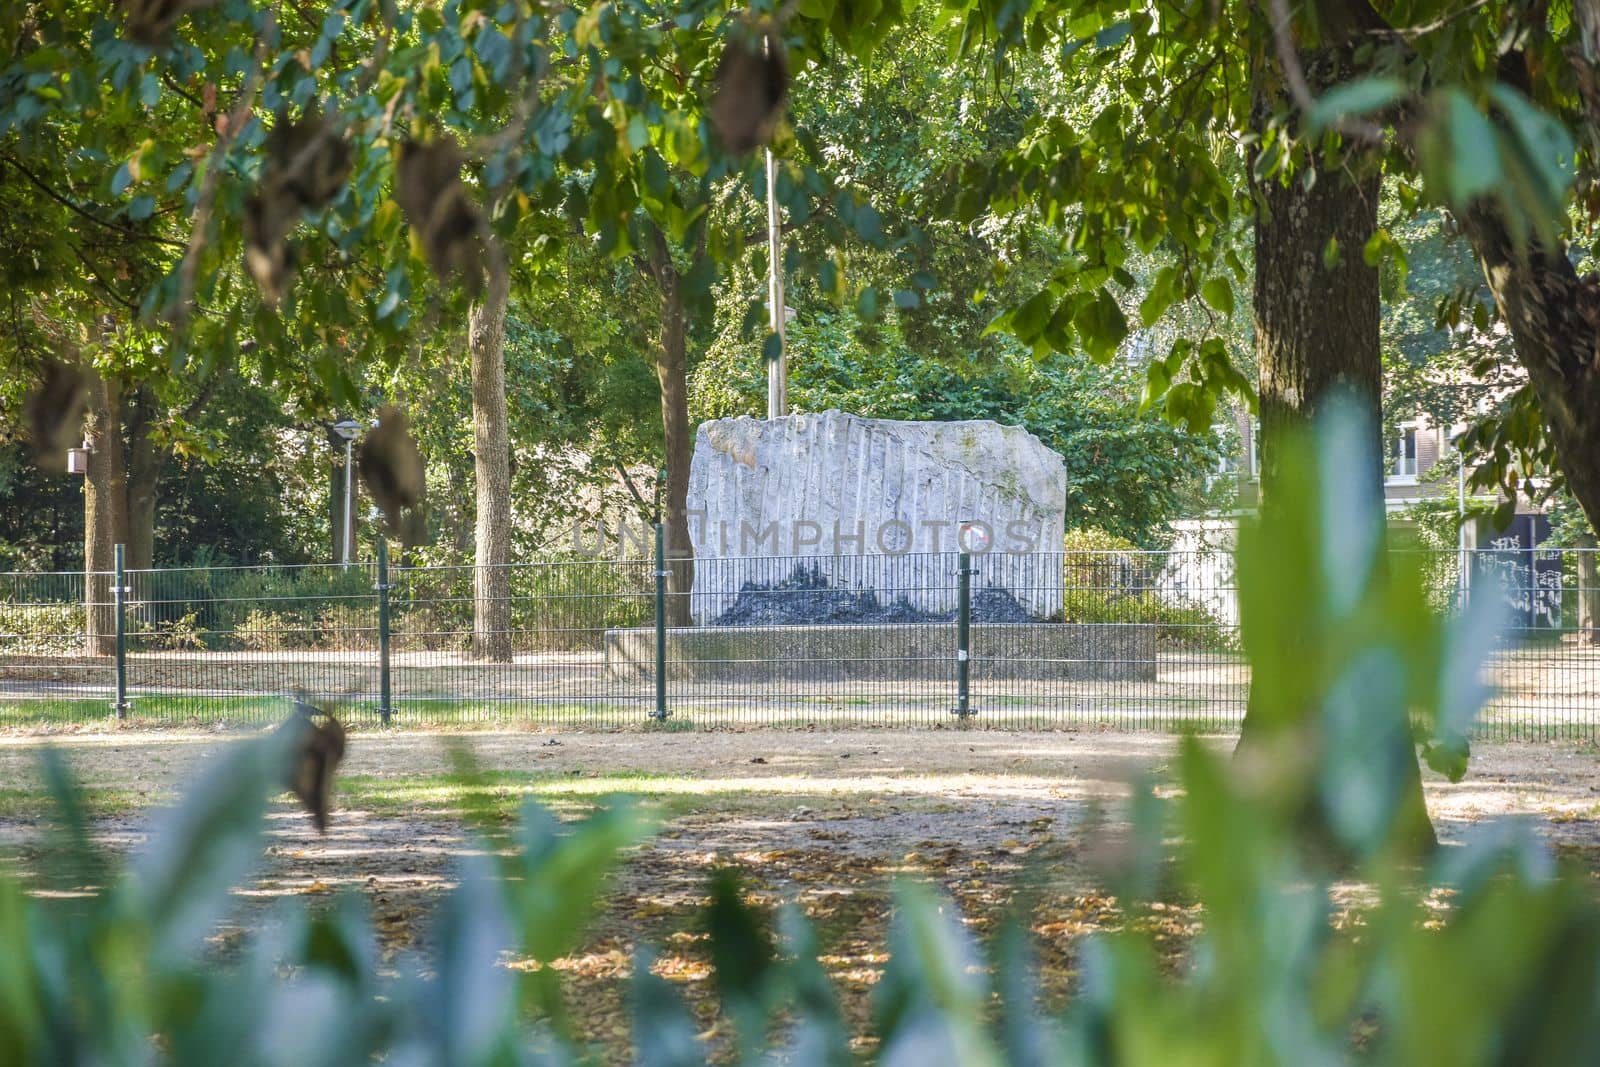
(827, 821)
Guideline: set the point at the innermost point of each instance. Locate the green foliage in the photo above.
(181, 634)
(41, 629)
(1481, 953)
(270, 631)
(1109, 579)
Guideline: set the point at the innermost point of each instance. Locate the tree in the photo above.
(491, 450)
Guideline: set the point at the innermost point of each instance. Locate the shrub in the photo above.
(347, 626)
(1108, 579)
(179, 634)
(269, 631)
(41, 629)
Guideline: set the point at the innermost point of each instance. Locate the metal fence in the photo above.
(1117, 639)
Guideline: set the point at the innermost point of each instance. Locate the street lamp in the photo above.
(348, 429)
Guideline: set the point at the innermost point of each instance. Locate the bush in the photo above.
(1108, 579)
(347, 626)
(568, 606)
(269, 631)
(41, 629)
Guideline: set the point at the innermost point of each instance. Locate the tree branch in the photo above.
(208, 185)
(83, 212)
(645, 511)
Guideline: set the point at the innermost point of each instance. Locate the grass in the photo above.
(101, 802)
(499, 795)
(152, 709)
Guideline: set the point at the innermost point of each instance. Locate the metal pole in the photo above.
(661, 712)
(349, 448)
(119, 595)
(385, 703)
(777, 369)
(963, 636)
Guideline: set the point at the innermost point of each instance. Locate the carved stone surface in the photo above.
(874, 505)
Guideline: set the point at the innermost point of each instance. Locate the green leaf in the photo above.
(1102, 326)
(664, 1034)
(1448, 759)
(561, 873)
(1354, 98)
(1474, 160)
(743, 956)
(1113, 34)
(932, 995)
(1157, 379)
(1330, 254)
(867, 303)
(184, 877)
(1218, 292)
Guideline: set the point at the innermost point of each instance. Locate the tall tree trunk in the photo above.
(1588, 593)
(491, 580)
(672, 372)
(105, 513)
(1317, 314)
(336, 475)
(145, 463)
(1554, 319)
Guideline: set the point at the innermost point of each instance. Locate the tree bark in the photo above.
(672, 372)
(145, 463)
(1554, 319)
(1317, 318)
(1588, 593)
(335, 495)
(105, 513)
(491, 580)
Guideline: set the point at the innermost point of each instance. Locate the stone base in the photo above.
(887, 652)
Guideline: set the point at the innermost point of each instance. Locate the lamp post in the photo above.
(348, 429)
(777, 369)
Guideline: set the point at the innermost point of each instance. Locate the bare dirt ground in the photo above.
(826, 819)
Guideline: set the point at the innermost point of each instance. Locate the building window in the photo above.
(1403, 455)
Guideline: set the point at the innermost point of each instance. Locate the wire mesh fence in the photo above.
(1138, 640)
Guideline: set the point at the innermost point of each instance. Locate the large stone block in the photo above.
(875, 506)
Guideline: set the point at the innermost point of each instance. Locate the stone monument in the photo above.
(875, 506)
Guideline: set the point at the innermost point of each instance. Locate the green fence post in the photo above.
(963, 635)
(385, 704)
(119, 597)
(661, 712)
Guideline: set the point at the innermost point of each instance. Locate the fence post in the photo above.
(661, 712)
(963, 635)
(385, 704)
(119, 597)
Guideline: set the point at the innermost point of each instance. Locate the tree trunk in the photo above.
(1554, 319)
(491, 580)
(105, 513)
(1317, 315)
(335, 496)
(145, 463)
(1588, 593)
(672, 372)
